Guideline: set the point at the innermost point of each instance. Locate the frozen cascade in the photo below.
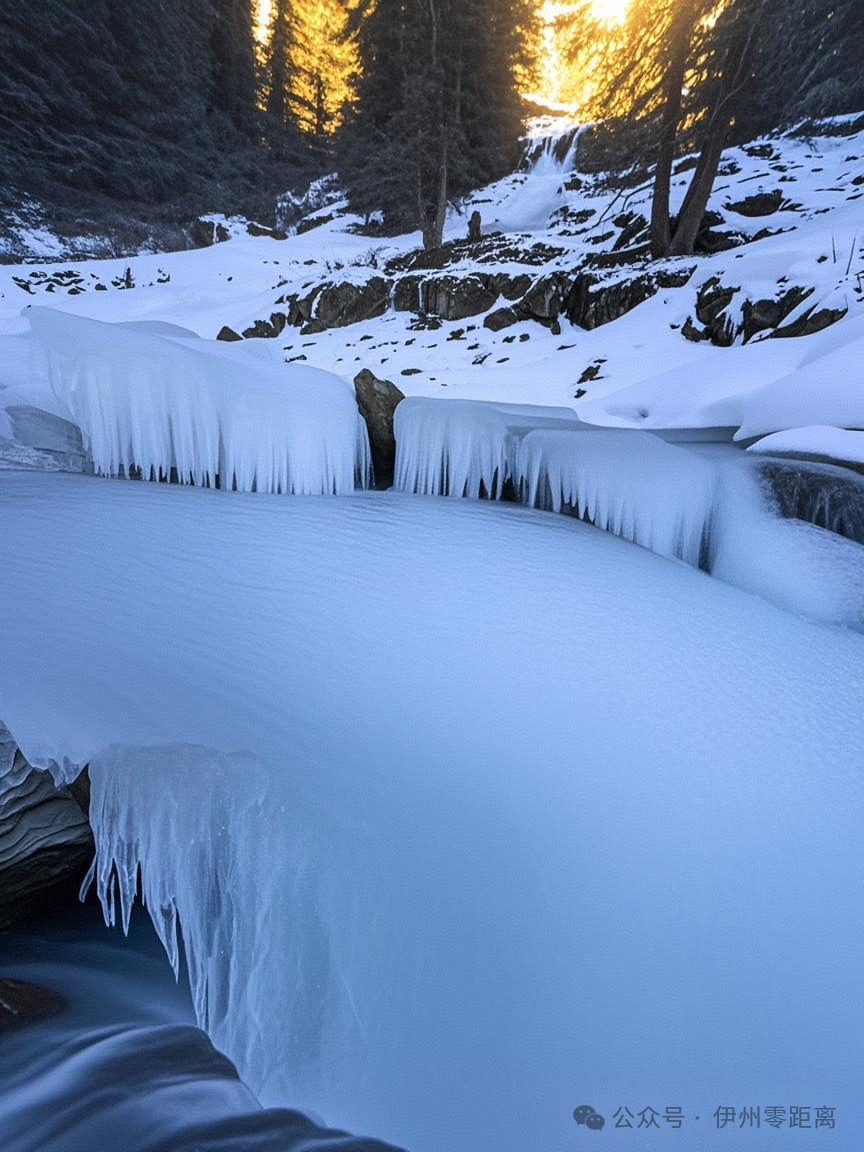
(534, 792)
(627, 482)
(465, 447)
(206, 411)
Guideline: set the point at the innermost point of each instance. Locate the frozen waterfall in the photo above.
(202, 412)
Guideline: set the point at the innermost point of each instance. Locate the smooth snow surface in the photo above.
(146, 399)
(819, 440)
(470, 814)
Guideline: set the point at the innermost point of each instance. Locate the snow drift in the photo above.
(198, 411)
(460, 855)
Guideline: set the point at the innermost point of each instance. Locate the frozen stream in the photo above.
(470, 814)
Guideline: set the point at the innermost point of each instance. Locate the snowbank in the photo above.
(825, 389)
(444, 855)
(818, 440)
(155, 402)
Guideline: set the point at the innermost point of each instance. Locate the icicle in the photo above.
(464, 447)
(628, 482)
(201, 411)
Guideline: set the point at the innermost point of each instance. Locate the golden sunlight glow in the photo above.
(612, 11)
(323, 62)
(263, 20)
(560, 83)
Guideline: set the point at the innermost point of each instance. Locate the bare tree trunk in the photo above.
(661, 235)
(720, 119)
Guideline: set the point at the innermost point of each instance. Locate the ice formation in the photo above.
(444, 856)
(207, 413)
(464, 447)
(630, 483)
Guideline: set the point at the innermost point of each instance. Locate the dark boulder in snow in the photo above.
(338, 305)
(456, 297)
(45, 838)
(228, 334)
(260, 230)
(501, 318)
(204, 233)
(377, 401)
(759, 204)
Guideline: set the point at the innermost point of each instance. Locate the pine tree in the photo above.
(436, 110)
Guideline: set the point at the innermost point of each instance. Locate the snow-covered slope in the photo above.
(644, 371)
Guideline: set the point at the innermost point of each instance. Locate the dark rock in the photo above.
(205, 233)
(510, 287)
(634, 227)
(810, 322)
(500, 318)
(312, 222)
(495, 248)
(338, 305)
(406, 294)
(267, 329)
(593, 302)
(759, 204)
(226, 333)
(545, 298)
(260, 230)
(377, 400)
(760, 151)
(456, 297)
(820, 493)
(45, 839)
(22, 1004)
(762, 315)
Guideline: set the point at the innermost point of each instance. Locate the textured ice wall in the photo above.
(464, 447)
(630, 483)
(147, 401)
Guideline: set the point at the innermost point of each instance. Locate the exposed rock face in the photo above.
(228, 334)
(501, 318)
(338, 305)
(759, 204)
(45, 839)
(43, 441)
(722, 327)
(456, 297)
(819, 493)
(377, 400)
(205, 233)
(260, 230)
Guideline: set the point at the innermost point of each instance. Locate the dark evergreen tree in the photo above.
(233, 88)
(144, 111)
(436, 109)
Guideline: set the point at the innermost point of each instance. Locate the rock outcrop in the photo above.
(377, 400)
(45, 838)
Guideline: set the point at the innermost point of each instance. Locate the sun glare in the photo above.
(613, 11)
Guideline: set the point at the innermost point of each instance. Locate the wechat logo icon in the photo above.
(586, 1115)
